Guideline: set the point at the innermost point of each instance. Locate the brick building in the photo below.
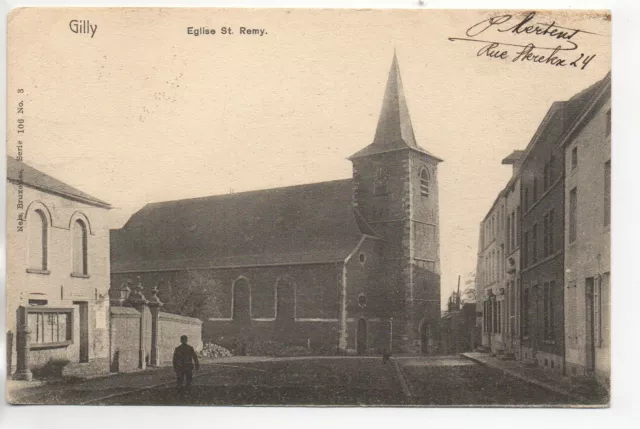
(57, 276)
(543, 233)
(490, 277)
(348, 265)
(542, 251)
(553, 239)
(587, 222)
(512, 257)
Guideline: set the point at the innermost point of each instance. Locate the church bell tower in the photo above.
(396, 191)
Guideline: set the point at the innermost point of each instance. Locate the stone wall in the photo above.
(171, 328)
(125, 337)
(321, 336)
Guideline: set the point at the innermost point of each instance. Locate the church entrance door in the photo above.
(361, 337)
(424, 337)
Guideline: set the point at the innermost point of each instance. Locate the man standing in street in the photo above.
(184, 361)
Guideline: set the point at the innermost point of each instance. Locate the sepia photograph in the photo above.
(308, 207)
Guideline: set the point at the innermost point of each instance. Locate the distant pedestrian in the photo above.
(385, 356)
(184, 361)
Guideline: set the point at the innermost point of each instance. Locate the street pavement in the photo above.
(331, 381)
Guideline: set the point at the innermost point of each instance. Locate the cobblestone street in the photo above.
(346, 381)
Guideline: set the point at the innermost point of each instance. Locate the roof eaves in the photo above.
(362, 153)
(568, 136)
(66, 195)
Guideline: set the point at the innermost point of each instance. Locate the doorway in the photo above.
(361, 337)
(590, 325)
(424, 337)
(83, 333)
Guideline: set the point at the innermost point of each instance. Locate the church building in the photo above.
(346, 266)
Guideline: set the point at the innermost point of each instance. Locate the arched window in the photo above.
(424, 183)
(37, 224)
(380, 182)
(79, 231)
(241, 300)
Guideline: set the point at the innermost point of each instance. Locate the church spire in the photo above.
(394, 123)
(394, 130)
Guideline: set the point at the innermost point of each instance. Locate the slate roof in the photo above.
(297, 224)
(19, 172)
(581, 103)
(394, 130)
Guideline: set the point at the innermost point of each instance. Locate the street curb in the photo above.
(529, 380)
(403, 382)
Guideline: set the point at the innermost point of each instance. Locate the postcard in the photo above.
(308, 207)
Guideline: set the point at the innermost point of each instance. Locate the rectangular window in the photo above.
(545, 234)
(608, 123)
(526, 199)
(552, 319)
(484, 316)
(502, 261)
(513, 230)
(573, 215)
(508, 233)
(545, 185)
(574, 158)
(535, 190)
(487, 316)
(607, 193)
(525, 313)
(512, 299)
(517, 227)
(534, 243)
(545, 317)
(571, 314)
(525, 249)
(604, 311)
(597, 312)
(551, 246)
(49, 326)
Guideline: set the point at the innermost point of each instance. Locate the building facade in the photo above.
(542, 251)
(349, 266)
(57, 276)
(491, 277)
(555, 265)
(588, 238)
(512, 257)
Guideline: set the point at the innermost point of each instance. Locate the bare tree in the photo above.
(469, 293)
(193, 296)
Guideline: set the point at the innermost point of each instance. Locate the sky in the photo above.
(145, 112)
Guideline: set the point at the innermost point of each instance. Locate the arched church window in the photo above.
(424, 183)
(80, 248)
(241, 304)
(37, 224)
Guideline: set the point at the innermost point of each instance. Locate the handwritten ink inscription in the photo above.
(508, 38)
